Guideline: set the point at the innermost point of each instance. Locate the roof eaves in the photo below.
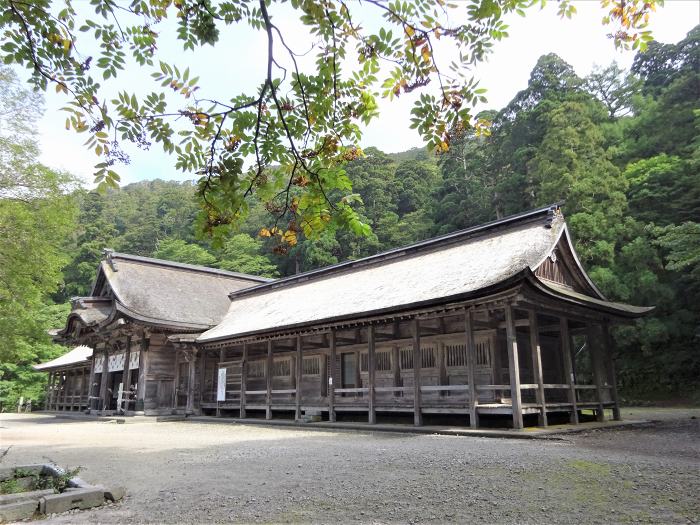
(619, 309)
(160, 323)
(398, 252)
(403, 309)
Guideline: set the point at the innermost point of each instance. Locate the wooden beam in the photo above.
(536, 354)
(568, 366)
(268, 381)
(332, 378)
(417, 414)
(513, 368)
(298, 381)
(371, 367)
(471, 368)
(608, 344)
(244, 380)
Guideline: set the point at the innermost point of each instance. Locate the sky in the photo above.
(236, 63)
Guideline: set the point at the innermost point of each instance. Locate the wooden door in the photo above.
(348, 370)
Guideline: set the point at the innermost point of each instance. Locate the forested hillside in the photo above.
(621, 148)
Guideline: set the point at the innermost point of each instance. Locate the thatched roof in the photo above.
(440, 269)
(156, 292)
(174, 294)
(79, 355)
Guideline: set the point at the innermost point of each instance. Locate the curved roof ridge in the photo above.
(410, 249)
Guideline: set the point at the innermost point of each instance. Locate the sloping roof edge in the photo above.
(561, 292)
(78, 355)
(112, 257)
(411, 249)
(500, 287)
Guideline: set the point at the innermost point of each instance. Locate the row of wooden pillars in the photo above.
(602, 365)
(63, 387)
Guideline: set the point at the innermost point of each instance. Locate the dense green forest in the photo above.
(621, 148)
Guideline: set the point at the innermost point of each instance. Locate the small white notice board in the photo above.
(221, 385)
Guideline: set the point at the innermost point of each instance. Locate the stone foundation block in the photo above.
(6, 499)
(74, 499)
(19, 510)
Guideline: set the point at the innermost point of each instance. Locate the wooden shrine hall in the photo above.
(493, 325)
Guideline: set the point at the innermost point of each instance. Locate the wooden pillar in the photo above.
(536, 351)
(66, 390)
(126, 377)
(143, 370)
(49, 388)
(471, 368)
(593, 343)
(442, 366)
(73, 388)
(199, 391)
(244, 380)
(298, 381)
(103, 383)
(568, 366)
(91, 381)
(268, 381)
(191, 376)
(396, 369)
(513, 368)
(371, 369)
(331, 377)
(83, 386)
(417, 413)
(608, 344)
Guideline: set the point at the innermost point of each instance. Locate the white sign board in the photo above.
(120, 396)
(221, 385)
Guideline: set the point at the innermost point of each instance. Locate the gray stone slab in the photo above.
(21, 496)
(9, 472)
(74, 499)
(19, 510)
(115, 493)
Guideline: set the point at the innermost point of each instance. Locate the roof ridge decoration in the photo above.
(551, 213)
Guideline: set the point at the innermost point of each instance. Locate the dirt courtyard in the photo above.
(213, 472)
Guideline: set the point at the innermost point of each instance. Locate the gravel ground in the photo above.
(208, 472)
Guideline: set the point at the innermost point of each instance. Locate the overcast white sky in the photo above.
(235, 65)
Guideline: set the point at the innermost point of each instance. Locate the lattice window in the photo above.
(483, 353)
(282, 368)
(256, 369)
(406, 358)
(311, 366)
(383, 361)
(428, 357)
(456, 355)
